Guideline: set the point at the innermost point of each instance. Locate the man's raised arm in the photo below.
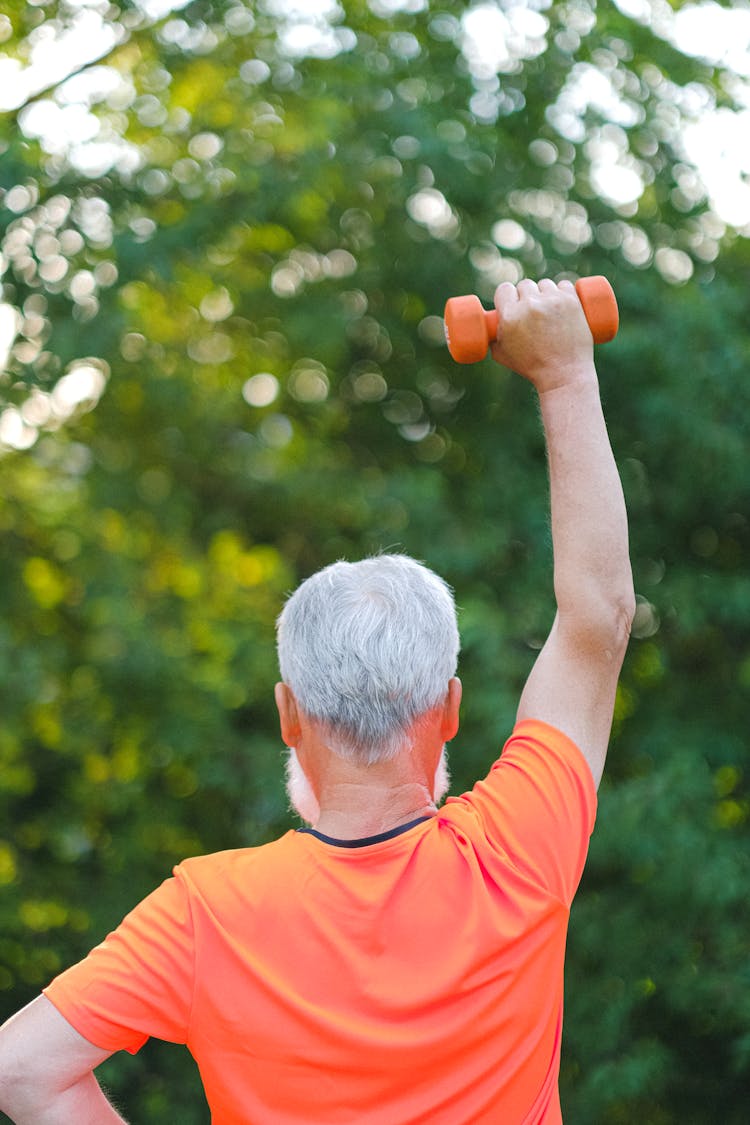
(544, 336)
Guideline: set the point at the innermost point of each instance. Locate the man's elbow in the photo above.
(14, 1090)
(602, 622)
(11, 1093)
(621, 606)
(7, 1070)
(624, 615)
(23, 1091)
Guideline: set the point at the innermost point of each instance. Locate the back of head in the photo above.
(367, 648)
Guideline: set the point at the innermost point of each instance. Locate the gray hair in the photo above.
(368, 648)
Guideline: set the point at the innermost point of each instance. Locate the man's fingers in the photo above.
(506, 298)
(520, 305)
(506, 295)
(527, 287)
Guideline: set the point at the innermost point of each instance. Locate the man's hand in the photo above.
(543, 333)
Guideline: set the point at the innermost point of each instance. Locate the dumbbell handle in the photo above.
(470, 329)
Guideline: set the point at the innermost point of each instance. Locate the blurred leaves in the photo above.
(226, 245)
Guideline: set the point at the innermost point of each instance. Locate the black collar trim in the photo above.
(366, 840)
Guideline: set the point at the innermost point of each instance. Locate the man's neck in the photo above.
(355, 812)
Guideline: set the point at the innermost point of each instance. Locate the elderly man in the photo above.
(393, 963)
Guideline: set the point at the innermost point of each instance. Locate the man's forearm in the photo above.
(81, 1104)
(593, 579)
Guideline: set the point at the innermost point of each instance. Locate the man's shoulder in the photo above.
(536, 807)
(537, 754)
(232, 861)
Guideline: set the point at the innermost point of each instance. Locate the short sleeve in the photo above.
(138, 982)
(538, 805)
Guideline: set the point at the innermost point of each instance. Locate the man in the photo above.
(392, 964)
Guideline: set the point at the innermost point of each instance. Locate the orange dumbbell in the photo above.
(470, 328)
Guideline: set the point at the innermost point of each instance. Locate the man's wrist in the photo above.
(578, 377)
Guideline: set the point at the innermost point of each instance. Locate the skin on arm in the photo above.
(544, 336)
(46, 1071)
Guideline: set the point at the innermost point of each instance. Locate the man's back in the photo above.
(412, 977)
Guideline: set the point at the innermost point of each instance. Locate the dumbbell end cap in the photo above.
(600, 306)
(465, 329)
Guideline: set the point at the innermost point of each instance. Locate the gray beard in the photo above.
(304, 802)
(299, 790)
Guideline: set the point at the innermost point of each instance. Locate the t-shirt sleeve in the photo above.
(139, 981)
(538, 806)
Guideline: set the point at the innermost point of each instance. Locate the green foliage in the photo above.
(229, 370)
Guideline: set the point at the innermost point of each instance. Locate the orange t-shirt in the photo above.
(414, 977)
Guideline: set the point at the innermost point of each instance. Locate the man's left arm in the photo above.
(46, 1071)
(137, 983)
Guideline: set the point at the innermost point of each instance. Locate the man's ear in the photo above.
(451, 709)
(288, 714)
